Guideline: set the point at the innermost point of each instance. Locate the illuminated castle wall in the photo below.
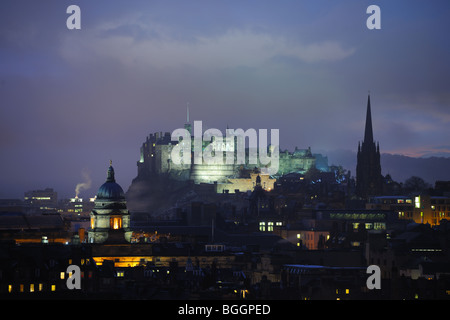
(155, 159)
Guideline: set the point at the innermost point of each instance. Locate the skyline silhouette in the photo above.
(73, 99)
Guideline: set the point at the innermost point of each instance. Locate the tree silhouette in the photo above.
(415, 184)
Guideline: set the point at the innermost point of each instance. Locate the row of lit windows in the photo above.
(440, 214)
(417, 201)
(114, 222)
(63, 275)
(402, 214)
(308, 236)
(370, 225)
(347, 291)
(270, 224)
(338, 291)
(82, 261)
(29, 288)
(440, 208)
(38, 198)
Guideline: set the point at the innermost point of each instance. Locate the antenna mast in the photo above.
(187, 110)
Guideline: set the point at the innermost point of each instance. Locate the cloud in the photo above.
(137, 44)
(322, 51)
(421, 152)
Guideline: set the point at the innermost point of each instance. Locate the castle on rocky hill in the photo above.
(155, 160)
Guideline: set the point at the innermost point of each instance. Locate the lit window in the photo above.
(10, 287)
(116, 223)
(62, 275)
(53, 287)
(347, 291)
(21, 288)
(298, 235)
(40, 286)
(262, 226)
(417, 202)
(32, 287)
(270, 226)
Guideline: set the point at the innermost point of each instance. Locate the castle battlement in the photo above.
(155, 159)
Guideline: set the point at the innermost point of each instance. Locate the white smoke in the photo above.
(83, 185)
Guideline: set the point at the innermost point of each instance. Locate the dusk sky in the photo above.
(71, 100)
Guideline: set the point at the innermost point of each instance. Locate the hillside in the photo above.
(398, 166)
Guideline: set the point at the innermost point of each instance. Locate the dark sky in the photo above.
(71, 100)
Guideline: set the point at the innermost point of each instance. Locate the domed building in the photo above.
(110, 218)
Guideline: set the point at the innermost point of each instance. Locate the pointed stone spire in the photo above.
(368, 132)
(368, 168)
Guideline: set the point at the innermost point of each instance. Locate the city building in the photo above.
(431, 209)
(22, 228)
(403, 205)
(77, 205)
(110, 218)
(420, 208)
(11, 205)
(41, 200)
(233, 185)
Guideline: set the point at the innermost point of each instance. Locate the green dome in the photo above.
(110, 190)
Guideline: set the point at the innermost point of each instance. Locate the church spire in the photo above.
(369, 181)
(368, 132)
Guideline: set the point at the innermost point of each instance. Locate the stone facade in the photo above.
(245, 184)
(155, 159)
(110, 218)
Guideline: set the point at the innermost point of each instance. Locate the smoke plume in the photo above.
(83, 185)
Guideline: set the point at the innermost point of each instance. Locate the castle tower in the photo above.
(368, 168)
(110, 218)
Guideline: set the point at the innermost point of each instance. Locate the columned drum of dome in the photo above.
(110, 218)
